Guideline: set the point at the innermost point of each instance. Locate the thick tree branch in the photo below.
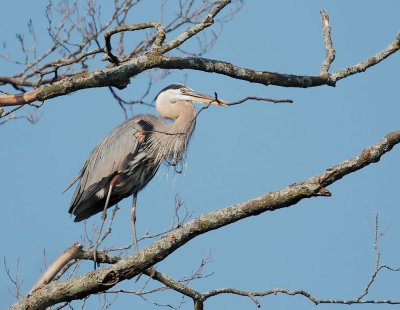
(21, 99)
(105, 278)
(119, 76)
(261, 77)
(151, 272)
(199, 298)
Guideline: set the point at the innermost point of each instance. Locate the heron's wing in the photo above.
(105, 161)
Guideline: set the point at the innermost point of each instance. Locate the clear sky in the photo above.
(321, 245)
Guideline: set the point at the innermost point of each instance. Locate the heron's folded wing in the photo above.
(105, 161)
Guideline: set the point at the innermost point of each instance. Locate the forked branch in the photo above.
(159, 38)
(105, 278)
(199, 298)
(119, 75)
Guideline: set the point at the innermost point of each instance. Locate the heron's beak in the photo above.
(196, 97)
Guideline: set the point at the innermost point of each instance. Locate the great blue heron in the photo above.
(130, 155)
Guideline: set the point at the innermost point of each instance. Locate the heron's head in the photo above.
(176, 98)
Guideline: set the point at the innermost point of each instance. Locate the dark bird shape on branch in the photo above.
(130, 155)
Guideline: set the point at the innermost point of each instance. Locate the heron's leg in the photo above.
(103, 217)
(133, 220)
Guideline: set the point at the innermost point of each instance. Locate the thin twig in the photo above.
(259, 99)
(108, 229)
(17, 283)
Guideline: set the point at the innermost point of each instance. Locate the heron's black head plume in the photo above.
(172, 86)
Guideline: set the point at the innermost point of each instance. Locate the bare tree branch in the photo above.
(119, 76)
(236, 72)
(330, 52)
(21, 99)
(199, 298)
(43, 78)
(373, 60)
(208, 21)
(378, 266)
(17, 283)
(68, 255)
(315, 300)
(159, 39)
(259, 99)
(105, 278)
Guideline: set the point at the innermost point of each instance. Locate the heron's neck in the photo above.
(184, 123)
(171, 142)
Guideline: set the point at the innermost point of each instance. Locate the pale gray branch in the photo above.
(236, 72)
(160, 36)
(373, 60)
(195, 29)
(330, 52)
(68, 255)
(119, 76)
(285, 291)
(105, 278)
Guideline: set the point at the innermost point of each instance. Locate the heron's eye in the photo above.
(183, 90)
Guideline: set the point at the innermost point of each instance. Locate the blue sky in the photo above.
(321, 245)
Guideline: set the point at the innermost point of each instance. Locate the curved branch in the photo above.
(119, 76)
(257, 99)
(261, 77)
(69, 254)
(192, 31)
(105, 278)
(159, 39)
(285, 291)
(116, 76)
(19, 81)
(373, 60)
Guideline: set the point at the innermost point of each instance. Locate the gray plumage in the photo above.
(134, 151)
